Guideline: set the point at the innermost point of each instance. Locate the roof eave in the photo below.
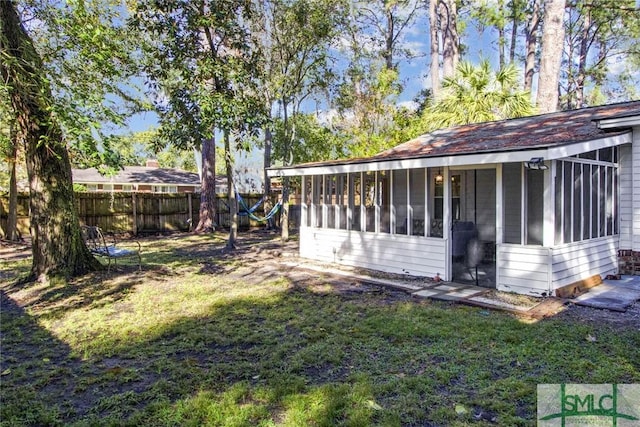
(619, 122)
(454, 160)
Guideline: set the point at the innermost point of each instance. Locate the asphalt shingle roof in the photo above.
(138, 175)
(526, 133)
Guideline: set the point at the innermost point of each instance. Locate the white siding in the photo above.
(523, 269)
(580, 260)
(636, 188)
(413, 255)
(626, 196)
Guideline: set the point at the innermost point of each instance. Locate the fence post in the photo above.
(135, 216)
(190, 211)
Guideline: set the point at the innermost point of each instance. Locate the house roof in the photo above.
(138, 175)
(527, 133)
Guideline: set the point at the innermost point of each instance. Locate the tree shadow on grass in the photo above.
(291, 347)
(91, 290)
(232, 364)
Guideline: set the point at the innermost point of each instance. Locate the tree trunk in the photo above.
(502, 41)
(284, 212)
(514, 31)
(11, 233)
(268, 141)
(284, 218)
(551, 57)
(449, 33)
(57, 245)
(532, 46)
(582, 60)
(388, 51)
(232, 199)
(207, 220)
(434, 49)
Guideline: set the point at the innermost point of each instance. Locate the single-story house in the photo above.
(150, 179)
(527, 205)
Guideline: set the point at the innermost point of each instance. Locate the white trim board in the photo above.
(619, 122)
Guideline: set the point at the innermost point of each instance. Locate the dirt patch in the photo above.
(623, 320)
(14, 251)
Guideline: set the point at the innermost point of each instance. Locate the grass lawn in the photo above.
(204, 337)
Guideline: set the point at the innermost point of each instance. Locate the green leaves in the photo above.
(201, 67)
(89, 60)
(477, 94)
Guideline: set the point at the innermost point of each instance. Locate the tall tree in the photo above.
(434, 48)
(89, 57)
(445, 42)
(367, 96)
(197, 60)
(381, 27)
(531, 40)
(494, 14)
(598, 33)
(448, 17)
(296, 39)
(551, 56)
(9, 153)
(57, 245)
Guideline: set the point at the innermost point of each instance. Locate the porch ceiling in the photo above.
(489, 142)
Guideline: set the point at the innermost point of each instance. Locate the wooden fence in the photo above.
(140, 213)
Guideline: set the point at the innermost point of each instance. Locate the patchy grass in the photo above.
(206, 337)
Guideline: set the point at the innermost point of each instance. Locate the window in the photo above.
(330, 201)
(356, 201)
(383, 201)
(586, 203)
(369, 201)
(400, 201)
(417, 206)
(342, 191)
(164, 188)
(512, 190)
(456, 185)
(306, 200)
(535, 206)
(316, 213)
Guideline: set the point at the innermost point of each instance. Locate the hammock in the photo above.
(249, 211)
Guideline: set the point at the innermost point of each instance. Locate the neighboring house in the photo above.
(150, 179)
(527, 205)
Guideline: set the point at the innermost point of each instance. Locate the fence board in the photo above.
(153, 212)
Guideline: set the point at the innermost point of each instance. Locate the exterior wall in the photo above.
(636, 188)
(625, 169)
(186, 189)
(580, 260)
(535, 270)
(523, 269)
(413, 255)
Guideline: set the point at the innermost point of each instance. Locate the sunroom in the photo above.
(526, 205)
